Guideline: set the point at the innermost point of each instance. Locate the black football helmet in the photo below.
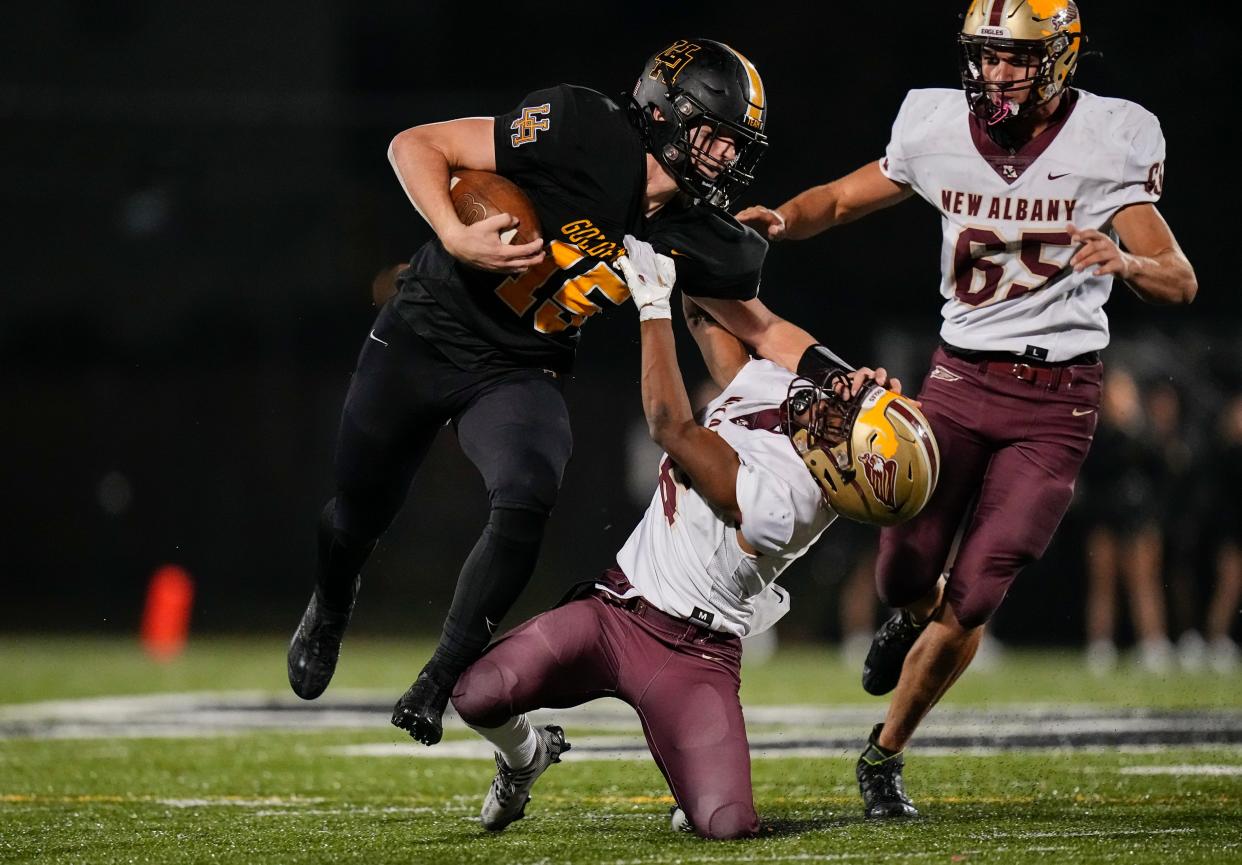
(695, 83)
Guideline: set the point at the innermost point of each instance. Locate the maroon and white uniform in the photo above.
(1004, 257)
(688, 562)
(1012, 392)
(662, 631)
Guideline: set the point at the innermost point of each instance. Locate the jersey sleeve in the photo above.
(895, 165)
(716, 256)
(769, 513)
(1142, 179)
(537, 136)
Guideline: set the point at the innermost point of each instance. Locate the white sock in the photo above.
(513, 740)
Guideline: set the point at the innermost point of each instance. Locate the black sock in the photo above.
(341, 556)
(495, 573)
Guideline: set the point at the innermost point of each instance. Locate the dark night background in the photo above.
(196, 198)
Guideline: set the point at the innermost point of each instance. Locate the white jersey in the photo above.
(1004, 261)
(687, 561)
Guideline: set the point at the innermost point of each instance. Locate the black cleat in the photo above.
(419, 710)
(316, 646)
(879, 781)
(889, 647)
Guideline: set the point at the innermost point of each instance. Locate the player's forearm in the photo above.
(665, 402)
(709, 462)
(783, 342)
(723, 352)
(862, 191)
(764, 331)
(423, 171)
(812, 211)
(1164, 278)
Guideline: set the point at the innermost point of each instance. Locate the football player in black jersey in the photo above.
(481, 331)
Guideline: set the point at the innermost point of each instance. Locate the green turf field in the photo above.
(298, 796)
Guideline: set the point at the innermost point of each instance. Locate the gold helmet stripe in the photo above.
(756, 98)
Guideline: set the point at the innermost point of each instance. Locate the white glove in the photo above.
(650, 277)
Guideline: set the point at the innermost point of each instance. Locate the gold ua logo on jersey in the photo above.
(530, 124)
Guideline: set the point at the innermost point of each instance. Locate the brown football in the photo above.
(479, 194)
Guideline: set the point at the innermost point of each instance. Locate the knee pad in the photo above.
(518, 526)
(975, 608)
(734, 820)
(533, 483)
(481, 697)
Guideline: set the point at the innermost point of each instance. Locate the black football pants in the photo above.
(512, 424)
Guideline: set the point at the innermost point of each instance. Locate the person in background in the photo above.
(1124, 543)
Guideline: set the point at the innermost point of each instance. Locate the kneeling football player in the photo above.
(734, 506)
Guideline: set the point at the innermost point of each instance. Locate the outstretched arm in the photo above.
(423, 158)
(708, 460)
(723, 352)
(821, 207)
(757, 326)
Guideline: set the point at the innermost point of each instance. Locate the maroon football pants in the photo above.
(681, 679)
(1011, 446)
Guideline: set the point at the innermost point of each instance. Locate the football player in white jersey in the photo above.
(742, 494)
(1045, 193)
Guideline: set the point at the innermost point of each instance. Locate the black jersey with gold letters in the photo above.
(581, 161)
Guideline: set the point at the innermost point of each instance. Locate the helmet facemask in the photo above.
(687, 151)
(979, 90)
(872, 453)
(818, 417)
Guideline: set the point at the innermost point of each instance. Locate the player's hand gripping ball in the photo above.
(502, 231)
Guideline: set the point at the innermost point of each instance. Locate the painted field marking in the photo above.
(1187, 769)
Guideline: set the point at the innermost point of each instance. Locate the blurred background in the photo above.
(196, 200)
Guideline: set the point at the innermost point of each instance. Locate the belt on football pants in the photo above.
(641, 607)
(1035, 372)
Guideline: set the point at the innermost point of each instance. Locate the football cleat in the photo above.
(880, 783)
(316, 646)
(420, 709)
(678, 821)
(510, 791)
(889, 647)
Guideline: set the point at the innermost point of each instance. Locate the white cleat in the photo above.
(1224, 657)
(1101, 658)
(510, 791)
(679, 822)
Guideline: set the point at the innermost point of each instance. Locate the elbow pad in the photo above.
(818, 360)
